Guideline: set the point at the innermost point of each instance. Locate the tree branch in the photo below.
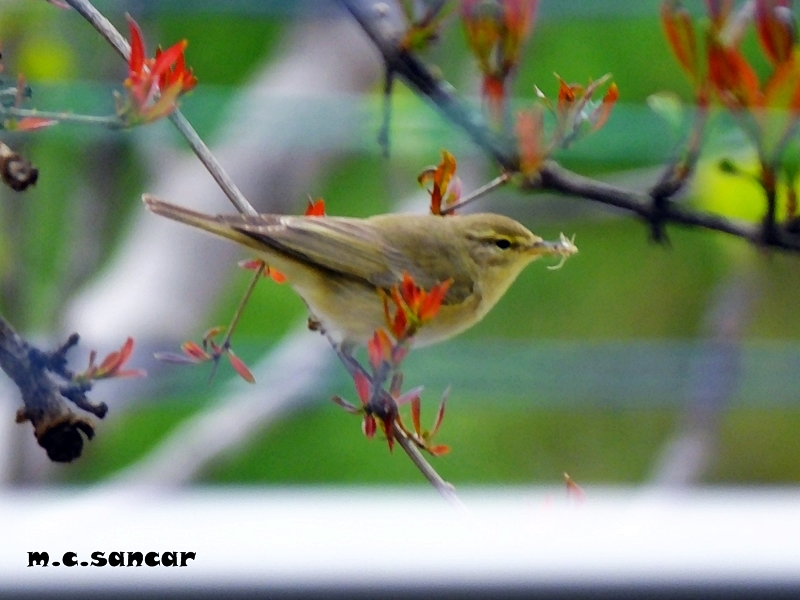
(15, 171)
(120, 44)
(445, 489)
(110, 122)
(375, 24)
(552, 177)
(57, 429)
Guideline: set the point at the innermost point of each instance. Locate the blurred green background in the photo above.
(622, 292)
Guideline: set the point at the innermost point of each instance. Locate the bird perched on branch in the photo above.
(340, 265)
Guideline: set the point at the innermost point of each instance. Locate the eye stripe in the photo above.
(499, 241)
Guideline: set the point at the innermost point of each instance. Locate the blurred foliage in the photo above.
(620, 287)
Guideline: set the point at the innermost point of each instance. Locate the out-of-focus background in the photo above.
(635, 363)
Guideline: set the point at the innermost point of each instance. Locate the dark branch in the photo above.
(36, 373)
(15, 171)
(418, 77)
(556, 178)
(655, 208)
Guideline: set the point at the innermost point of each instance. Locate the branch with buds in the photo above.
(725, 76)
(407, 308)
(46, 384)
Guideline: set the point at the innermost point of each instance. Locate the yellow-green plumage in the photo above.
(337, 264)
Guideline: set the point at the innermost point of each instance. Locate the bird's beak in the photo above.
(563, 247)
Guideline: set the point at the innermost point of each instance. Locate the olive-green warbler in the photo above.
(338, 264)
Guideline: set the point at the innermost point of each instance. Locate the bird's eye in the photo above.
(502, 243)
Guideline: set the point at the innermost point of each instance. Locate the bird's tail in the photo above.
(217, 225)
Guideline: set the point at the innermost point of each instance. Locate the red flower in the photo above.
(154, 84)
(574, 491)
(530, 140)
(719, 10)
(424, 437)
(210, 351)
(379, 349)
(731, 76)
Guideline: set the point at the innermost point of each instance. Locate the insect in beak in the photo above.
(563, 247)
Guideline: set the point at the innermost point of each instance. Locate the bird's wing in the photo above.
(351, 248)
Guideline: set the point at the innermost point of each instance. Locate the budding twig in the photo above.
(445, 489)
(198, 146)
(552, 177)
(495, 183)
(226, 341)
(110, 122)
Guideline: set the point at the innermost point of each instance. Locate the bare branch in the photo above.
(445, 489)
(495, 183)
(556, 178)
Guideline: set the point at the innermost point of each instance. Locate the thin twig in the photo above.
(495, 183)
(768, 183)
(384, 138)
(111, 122)
(226, 341)
(677, 172)
(445, 489)
(120, 44)
(240, 309)
(419, 77)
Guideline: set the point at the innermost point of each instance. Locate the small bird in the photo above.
(339, 265)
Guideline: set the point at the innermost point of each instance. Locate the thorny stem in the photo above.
(112, 122)
(120, 44)
(495, 183)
